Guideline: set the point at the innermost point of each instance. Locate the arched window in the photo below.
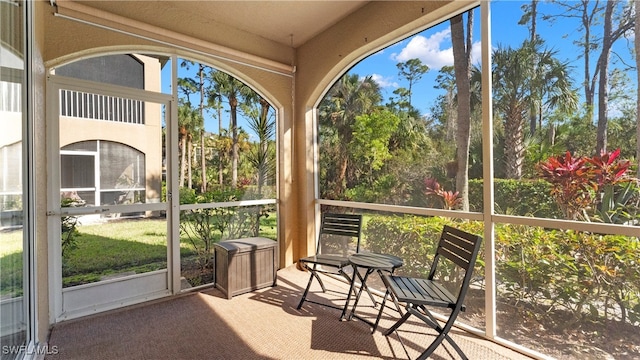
(98, 172)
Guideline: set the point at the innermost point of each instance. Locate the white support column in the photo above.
(487, 151)
(173, 186)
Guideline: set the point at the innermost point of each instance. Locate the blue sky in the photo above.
(433, 48)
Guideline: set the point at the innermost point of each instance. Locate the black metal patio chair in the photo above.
(339, 237)
(460, 248)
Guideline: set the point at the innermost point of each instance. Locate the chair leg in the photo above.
(443, 332)
(384, 300)
(306, 290)
(324, 289)
(352, 285)
(399, 322)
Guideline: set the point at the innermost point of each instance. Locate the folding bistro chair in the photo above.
(339, 237)
(457, 246)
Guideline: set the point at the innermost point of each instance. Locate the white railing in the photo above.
(84, 105)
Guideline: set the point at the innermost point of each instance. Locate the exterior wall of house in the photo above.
(129, 134)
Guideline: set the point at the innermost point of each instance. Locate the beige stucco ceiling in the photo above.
(291, 23)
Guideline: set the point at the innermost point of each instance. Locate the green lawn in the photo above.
(116, 247)
(123, 246)
(11, 263)
(10, 242)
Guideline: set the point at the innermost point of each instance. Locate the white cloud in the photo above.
(384, 82)
(431, 50)
(476, 53)
(428, 50)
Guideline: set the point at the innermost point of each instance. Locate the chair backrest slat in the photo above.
(459, 247)
(344, 225)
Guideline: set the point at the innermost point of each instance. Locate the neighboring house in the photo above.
(10, 138)
(115, 167)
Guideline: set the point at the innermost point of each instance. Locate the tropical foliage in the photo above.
(235, 155)
(236, 163)
(554, 119)
(599, 187)
(555, 274)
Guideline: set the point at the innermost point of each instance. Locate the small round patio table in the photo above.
(371, 262)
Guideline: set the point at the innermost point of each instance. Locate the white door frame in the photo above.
(91, 298)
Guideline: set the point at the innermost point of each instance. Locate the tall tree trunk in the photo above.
(233, 104)
(534, 15)
(603, 85)
(203, 186)
(462, 72)
(221, 153)
(189, 162)
(637, 49)
(203, 163)
(183, 154)
(264, 146)
(533, 117)
(610, 35)
(589, 81)
(514, 143)
(342, 175)
(589, 14)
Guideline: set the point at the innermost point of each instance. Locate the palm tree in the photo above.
(462, 68)
(215, 101)
(262, 155)
(232, 88)
(349, 97)
(203, 158)
(186, 87)
(526, 78)
(189, 121)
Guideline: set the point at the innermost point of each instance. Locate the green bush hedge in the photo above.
(581, 274)
(517, 197)
(412, 238)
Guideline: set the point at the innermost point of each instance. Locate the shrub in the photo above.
(517, 197)
(413, 238)
(580, 274)
(593, 188)
(204, 227)
(69, 231)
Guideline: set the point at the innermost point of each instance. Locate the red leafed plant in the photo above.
(570, 180)
(608, 169)
(579, 183)
(450, 200)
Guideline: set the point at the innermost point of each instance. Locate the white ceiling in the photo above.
(287, 22)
